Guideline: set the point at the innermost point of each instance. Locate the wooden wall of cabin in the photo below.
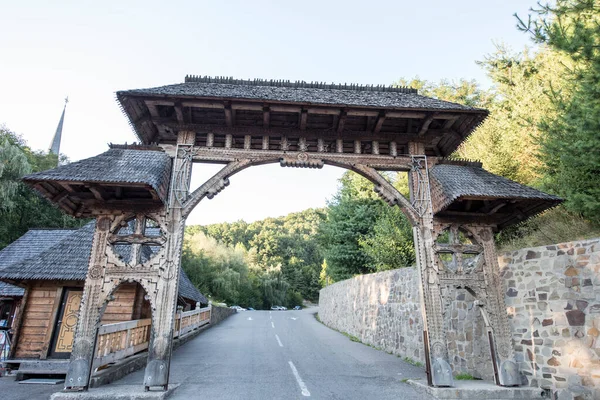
(42, 304)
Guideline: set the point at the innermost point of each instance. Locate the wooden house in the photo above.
(47, 267)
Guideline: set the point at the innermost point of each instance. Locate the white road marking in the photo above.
(269, 312)
(301, 383)
(272, 324)
(270, 317)
(278, 341)
(249, 318)
(293, 318)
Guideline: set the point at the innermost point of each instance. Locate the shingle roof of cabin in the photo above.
(452, 183)
(8, 290)
(67, 259)
(21, 249)
(312, 93)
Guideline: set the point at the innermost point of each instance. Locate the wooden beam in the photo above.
(303, 119)
(362, 113)
(67, 187)
(152, 109)
(96, 191)
(202, 104)
(228, 115)
(285, 109)
(426, 123)
(449, 122)
(323, 111)
(179, 113)
(247, 107)
(266, 117)
(18, 322)
(496, 208)
(341, 122)
(60, 196)
(379, 123)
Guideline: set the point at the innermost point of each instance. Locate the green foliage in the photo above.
(462, 91)
(13, 165)
(554, 226)
(507, 142)
(413, 362)
(363, 234)
(22, 208)
(570, 145)
(464, 377)
(390, 243)
(281, 259)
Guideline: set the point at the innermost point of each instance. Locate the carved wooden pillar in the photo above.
(82, 356)
(507, 374)
(436, 350)
(161, 339)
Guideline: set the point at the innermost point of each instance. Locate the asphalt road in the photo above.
(267, 355)
(283, 355)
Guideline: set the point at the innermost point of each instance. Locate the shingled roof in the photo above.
(268, 108)
(66, 259)
(22, 249)
(379, 96)
(139, 174)
(452, 185)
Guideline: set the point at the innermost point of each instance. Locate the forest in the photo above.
(543, 131)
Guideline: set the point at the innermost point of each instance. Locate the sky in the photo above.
(88, 50)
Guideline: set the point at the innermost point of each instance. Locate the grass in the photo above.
(412, 362)
(551, 227)
(464, 377)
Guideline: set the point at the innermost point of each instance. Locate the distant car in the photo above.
(275, 308)
(282, 308)
(237, 308)
(250, 309)
(297, 308)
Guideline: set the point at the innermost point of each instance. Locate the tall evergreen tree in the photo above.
(570, 146)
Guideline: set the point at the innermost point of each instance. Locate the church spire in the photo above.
(55, 145)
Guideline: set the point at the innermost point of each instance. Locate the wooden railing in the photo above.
(123, 339)
(189, 320)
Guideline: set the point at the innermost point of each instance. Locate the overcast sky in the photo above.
(87, 50)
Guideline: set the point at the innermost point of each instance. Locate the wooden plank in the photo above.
(53, 318)
(36, 323)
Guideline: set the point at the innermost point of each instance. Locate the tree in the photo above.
(25, 208)
(390, 245)
(13, 165)
(570, 146)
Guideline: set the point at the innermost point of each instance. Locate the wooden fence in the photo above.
(123, 339)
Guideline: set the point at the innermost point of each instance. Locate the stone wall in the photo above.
(553, 302)
(218, 314)
(380, 309)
